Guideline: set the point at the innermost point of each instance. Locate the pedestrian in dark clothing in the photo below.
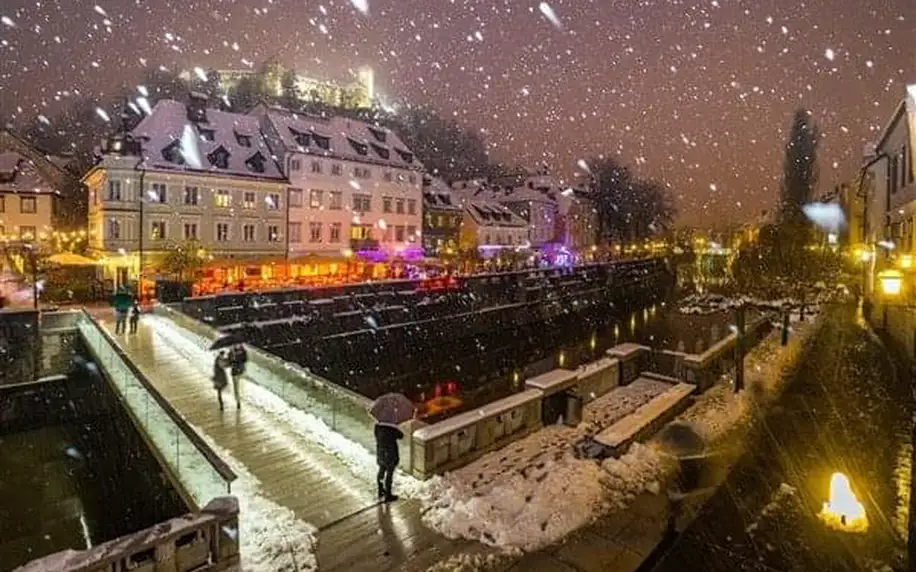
(388, 456)
(121, 302)
(238, 359)
(220, 376)
(134, 317)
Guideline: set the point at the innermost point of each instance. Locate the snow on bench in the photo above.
(645, 420)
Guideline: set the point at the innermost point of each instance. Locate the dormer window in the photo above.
(379, 134)
(243, 140)
(207, 134)
(172, 153)
(406, 156)
(322, 142)
(219, 158)
(256, 163)
(360, 148)
(301, 137)
(381, 151)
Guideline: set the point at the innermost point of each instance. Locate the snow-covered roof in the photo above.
(491, 213)
(340, 137)
(438, 195)
(229, 144)
(19, 175)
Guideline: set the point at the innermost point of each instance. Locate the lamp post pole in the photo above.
(34, 276)
(740, 312)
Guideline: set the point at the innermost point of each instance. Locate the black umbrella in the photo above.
(226, 341)
(681, 440)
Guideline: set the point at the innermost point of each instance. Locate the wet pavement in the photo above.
(845, 410)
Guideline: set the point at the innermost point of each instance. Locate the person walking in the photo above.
(134, 317)
(121, 302)
(239, 360)
(220, 377)
(388, 456)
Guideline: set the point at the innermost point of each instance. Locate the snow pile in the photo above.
(272, 538)
(509, 498)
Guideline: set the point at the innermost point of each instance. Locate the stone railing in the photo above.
(559, 393)
(206, 541)
(342, 410)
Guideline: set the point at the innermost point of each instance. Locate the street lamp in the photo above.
(891, 282)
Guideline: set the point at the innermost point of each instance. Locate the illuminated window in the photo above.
(316, 198)
(273, 201)
(222, 198)
(28, 205)
(157, 230)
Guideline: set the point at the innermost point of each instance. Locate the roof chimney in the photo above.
(197, 107)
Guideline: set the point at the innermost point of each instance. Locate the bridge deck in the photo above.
(354, 533)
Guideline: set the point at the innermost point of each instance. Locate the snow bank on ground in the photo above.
(534, 492)
(360, 461)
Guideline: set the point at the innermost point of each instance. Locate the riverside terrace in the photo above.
(348, 334)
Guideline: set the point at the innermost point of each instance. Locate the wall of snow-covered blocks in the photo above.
(597, 378)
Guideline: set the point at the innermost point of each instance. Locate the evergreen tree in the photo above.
(799, 169)
(628, 208)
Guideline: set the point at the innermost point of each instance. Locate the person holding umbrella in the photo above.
(220, 377)
(389, 411)
(238, 357)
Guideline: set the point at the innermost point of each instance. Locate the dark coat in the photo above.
(386, 445)
(239, 359)
(219, 374)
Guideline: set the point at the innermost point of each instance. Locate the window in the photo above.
(337, 169)
(190, 231)
(207, 134)
(273, 233)
(248, 233)
(316, 167)
(335, 232)
(27, 232)
(295, 165)
(362, 203)
(399, 206)
(28, 205)
(316, 198)
(295, 197)
(359, 147)
(399, 233)
(360, 231)
(222, 198)
(256, 163)
(294, 232)
(411, 206)
(387, 176)
(301, 137)
(222, 231)
(362, 173)
(322, 142)
(335, 200)
(114, 190)
(412, 178)
(249, 200)
(314, 232)
(219, 158)
(158, 193)
(157, 230)
(273, 201)
(191, 196)
(243, 140)
(113, 229)
(386, 204)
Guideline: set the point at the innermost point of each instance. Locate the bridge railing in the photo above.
(191, 462)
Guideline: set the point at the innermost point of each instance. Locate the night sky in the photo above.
(695, 93)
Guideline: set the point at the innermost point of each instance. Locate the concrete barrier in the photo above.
(207, 541)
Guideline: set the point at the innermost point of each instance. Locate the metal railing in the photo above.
(192, 464)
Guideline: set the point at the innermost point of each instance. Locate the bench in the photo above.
(646, 420)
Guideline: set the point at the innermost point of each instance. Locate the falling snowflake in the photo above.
(829, 54)
(551, 16)
(361, 5)
(7, 21)
(103, 114)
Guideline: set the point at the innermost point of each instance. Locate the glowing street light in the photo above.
(906, 261)
(843, 511)
(891, 282)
